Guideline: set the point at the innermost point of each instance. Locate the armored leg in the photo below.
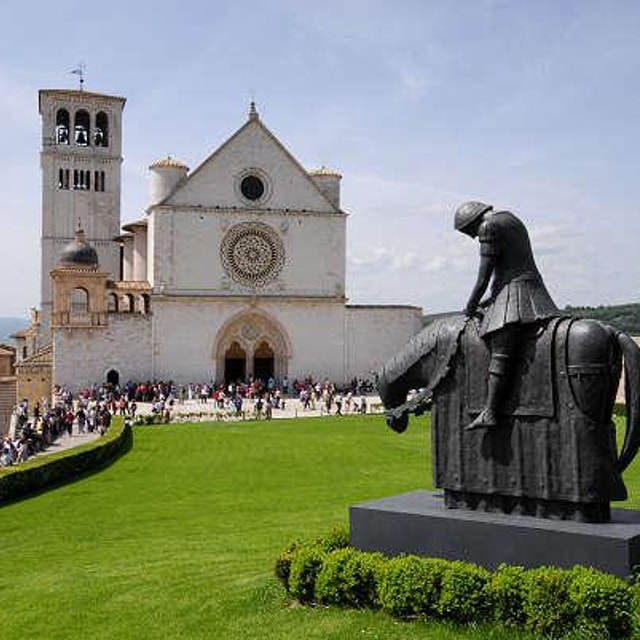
(503, 344)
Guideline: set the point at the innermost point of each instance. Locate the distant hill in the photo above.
(9, 326)
(625, 317)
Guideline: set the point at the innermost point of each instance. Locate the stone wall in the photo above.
(376, 333)
(84, 356)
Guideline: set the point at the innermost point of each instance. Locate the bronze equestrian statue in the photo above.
(521, 396)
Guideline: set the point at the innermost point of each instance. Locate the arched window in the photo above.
(63, 178)
(82, 128)
(81, 179)
(112, 303)
(144, 303)
(101, 135)
(79, 301)
(98, 180)
(131, 303)
(62, 126)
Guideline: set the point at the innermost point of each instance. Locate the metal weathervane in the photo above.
(79, 71)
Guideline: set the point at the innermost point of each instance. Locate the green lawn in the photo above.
(178, 538)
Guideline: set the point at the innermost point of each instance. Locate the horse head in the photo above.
(421, 364)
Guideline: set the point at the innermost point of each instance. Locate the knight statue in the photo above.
(518, 302)
(521, 396)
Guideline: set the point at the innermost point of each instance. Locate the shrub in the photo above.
(349, 578)
(337, 538)
(506, 594)
(582, 602)
(549, 609)
(410, 586)
(602, 601)
(464, 596)
(282, 568)
(305, 566)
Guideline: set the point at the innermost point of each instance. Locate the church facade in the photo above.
(236, 270)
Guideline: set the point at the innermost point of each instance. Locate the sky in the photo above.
(532, 106)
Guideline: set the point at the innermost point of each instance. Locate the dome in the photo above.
(324, 171)
(169, 163)
(79, 253)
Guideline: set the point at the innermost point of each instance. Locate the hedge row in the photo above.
(42, 473)
(546, 600)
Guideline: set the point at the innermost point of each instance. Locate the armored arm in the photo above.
(487, 263)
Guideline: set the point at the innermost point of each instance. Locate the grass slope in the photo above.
(178, 538)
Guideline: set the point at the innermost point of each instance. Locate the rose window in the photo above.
(252, 254)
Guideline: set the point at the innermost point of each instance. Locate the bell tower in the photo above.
(81, 160)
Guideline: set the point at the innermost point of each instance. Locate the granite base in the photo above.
(419, 523)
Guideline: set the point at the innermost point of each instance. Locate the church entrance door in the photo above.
(263, 362)
(235, 364)
(251, 346)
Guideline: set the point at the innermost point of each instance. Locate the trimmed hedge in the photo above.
(45, 472)
(349, 579)
(546, 600)
(410, 586)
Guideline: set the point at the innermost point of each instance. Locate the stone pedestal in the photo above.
(418, 523)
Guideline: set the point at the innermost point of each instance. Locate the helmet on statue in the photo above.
(468, 213)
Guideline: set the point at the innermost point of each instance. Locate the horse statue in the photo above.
(554, 452)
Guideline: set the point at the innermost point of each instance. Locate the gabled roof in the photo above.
(252, 122)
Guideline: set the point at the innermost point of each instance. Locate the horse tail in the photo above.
(631, 354)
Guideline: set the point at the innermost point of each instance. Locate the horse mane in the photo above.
(422, 344)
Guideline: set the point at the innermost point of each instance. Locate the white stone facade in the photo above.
(236, 270)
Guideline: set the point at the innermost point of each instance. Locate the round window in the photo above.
(252, 254)
(252, 187)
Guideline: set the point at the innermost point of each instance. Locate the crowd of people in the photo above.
(35, 427)
(256, 395)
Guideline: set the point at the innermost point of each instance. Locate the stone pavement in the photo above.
(67, 442)
(292, 408)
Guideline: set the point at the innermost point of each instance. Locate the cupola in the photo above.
(328, 181)
(165, 176)
(79, 253)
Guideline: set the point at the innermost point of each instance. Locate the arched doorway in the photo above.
(113, 377)
(235, 363)
(263, 362)
(251, 345)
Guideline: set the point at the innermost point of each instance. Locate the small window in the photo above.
(81, 180)
(63, 178)
(98, 180)
(79, 301)
(252, 187)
